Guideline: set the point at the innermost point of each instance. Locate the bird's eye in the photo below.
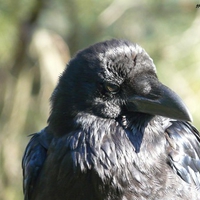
(113, 88)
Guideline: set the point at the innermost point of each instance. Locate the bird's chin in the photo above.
(106, 110)
(128, 117)
(135, 114)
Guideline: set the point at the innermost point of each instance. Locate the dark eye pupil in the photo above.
(112, 88)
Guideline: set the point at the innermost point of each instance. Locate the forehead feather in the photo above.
(118, 61)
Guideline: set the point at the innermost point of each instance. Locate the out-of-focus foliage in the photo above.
(37, 38)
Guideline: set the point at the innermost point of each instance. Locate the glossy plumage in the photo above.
(114, 133)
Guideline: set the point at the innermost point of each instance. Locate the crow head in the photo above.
(111, 79)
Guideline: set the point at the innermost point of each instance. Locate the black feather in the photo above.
(114, 133)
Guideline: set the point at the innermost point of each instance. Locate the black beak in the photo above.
(160, 101)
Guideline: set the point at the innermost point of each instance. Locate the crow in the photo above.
(115, 132)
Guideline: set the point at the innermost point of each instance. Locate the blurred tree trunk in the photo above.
(17, 89)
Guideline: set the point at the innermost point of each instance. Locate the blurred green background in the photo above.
(38, 37)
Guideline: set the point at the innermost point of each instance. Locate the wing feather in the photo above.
(33, 160)
(184, 151)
